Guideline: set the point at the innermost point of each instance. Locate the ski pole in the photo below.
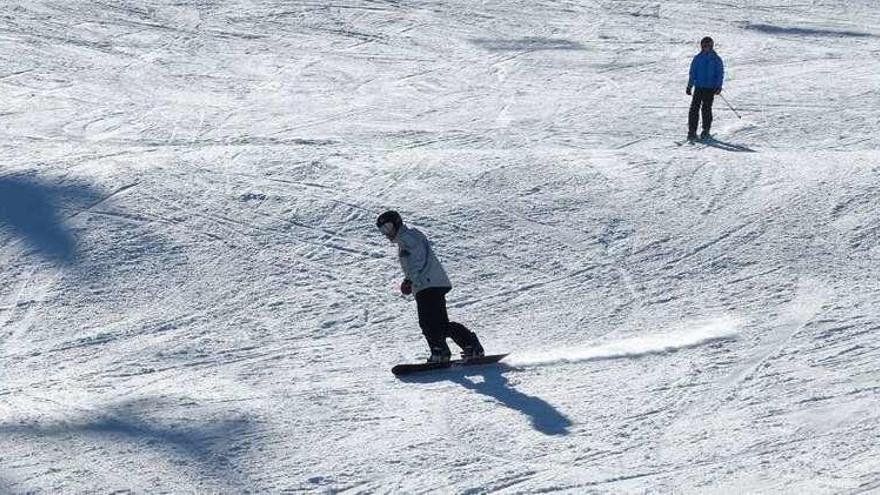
(729, 105)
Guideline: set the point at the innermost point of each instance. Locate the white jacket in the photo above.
(418, 261)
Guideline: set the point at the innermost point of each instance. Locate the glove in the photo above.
(406, 287)
(718, 91)
(688, 91)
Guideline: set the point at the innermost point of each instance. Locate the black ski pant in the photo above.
(434, 321)
(702, 100)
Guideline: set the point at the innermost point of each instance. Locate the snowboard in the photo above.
(405, 369)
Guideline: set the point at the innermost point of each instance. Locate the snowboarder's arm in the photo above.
(413, 257)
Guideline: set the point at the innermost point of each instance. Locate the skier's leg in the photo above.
(432, 318)
(694, 113)
(708, 99)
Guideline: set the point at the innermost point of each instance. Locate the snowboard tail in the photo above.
(405, 369)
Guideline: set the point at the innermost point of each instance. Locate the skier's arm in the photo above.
(720, 81)
(692, 73)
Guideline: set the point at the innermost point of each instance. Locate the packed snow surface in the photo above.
(194, 297)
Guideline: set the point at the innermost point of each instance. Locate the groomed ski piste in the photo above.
(194, 297)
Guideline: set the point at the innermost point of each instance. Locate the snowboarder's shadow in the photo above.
(490, 381)
(721, 145)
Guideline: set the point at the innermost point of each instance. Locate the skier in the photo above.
(425, 276)
(707, 77)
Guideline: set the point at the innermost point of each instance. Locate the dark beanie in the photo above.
(707, 39)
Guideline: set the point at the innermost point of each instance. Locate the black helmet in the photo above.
(391, 217)
(707, 40)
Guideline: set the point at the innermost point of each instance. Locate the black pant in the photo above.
(702, 97)
(434, 321)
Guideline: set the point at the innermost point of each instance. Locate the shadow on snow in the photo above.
(526, 44)
(38, 215)
(490, 381)
(31, 209)
(6, 486)
(212, 446)
(721, 145)
(771, 29)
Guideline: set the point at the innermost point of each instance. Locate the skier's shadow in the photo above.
(490, 381)
(721, 145)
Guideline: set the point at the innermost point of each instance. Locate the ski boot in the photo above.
(705, 136)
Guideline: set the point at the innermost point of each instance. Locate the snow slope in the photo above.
(193, 297)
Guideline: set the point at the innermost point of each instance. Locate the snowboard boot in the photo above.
(439, 355)
(472, 351)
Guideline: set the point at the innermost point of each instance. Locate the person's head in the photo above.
(389, 224)
(707, 44)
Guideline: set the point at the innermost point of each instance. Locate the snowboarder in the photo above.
(425, 277)
(706, 79)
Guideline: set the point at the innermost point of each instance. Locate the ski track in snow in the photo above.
(692, 335)
(194, 299)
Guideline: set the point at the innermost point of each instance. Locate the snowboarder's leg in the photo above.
(694, 114)
(708, 98)
(462, 336)
(467, 340)
(431, 305)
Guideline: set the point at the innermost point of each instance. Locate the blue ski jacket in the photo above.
(707, 71)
